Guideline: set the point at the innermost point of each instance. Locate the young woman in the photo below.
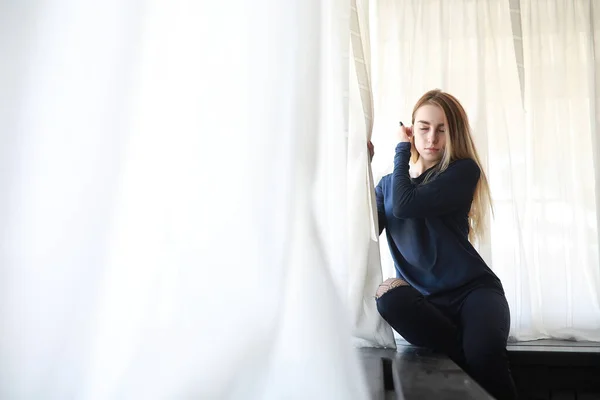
(444, 296)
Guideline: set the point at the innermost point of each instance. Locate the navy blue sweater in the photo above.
(427, 225)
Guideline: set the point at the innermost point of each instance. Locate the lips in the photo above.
(431, 149)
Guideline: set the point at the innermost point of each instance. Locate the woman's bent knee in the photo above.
(395, 297)
(388, 285)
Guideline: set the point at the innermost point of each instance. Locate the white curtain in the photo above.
(527, 72)
(364, 264)
(161, 162)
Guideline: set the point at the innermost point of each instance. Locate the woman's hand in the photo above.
(404, 133)
(371, 150)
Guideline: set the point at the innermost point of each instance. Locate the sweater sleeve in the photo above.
(380, 206)
(451, 190)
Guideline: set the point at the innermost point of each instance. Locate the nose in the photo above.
(431, 137)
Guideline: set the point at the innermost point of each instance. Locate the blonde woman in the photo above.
(444, 296)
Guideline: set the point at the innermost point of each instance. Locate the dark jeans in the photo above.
(470, 326)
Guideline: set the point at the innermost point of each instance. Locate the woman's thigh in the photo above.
(419, 321)
(485, 324)
(485, 321)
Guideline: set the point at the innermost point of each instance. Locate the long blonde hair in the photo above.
(459, 145)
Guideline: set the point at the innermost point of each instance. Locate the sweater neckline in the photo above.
(422, 176)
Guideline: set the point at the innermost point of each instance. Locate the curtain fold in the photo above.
(364, 263)
(159, 227)
(527, 73)
(560, 228)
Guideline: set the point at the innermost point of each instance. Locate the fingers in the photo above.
(371, 149)
(407, 130)
(404, 134)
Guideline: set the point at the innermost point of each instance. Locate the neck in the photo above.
(421, 166)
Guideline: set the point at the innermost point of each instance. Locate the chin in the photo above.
(431, 159)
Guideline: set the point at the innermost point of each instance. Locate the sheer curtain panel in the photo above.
(160, 238)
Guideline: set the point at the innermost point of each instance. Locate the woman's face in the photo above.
(429, 131)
